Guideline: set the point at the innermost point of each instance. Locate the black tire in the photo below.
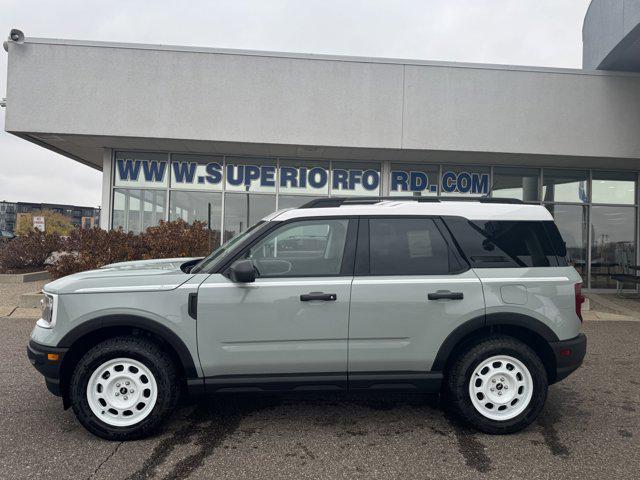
(150, 355)
(456, 386)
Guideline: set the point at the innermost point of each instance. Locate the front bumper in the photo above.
(39, 356)
(569, 355)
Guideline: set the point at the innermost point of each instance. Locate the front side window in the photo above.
(408, 246)
(306, 248)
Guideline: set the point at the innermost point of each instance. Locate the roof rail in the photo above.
(330, 202)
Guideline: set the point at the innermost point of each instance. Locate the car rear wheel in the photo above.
(498, 385)
(123, 388)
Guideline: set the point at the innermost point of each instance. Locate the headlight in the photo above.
(48, 307)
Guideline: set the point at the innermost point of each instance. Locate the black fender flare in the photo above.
(134, 321)
(493, 319)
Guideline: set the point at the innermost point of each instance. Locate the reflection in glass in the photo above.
(294, 201)
(190, 206)
(241, 210)
(613, 187)
(572, 223)
(519, 183)
(119, 206)
(612, 243)
(306, 248)
(134, 210)
(565, 186)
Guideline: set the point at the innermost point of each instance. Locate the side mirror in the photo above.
(243, 271)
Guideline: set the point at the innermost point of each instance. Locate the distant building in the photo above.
(85, 217)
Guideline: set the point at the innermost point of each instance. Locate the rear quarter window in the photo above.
(507, 244)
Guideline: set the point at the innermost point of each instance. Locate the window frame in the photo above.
(363, 249)
(348, 256)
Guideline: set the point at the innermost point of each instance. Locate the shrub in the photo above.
(87, 249)
(93, 248)
(176, 239)
(54, 222)
(28, 252)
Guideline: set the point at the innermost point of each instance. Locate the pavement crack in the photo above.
(115, 450)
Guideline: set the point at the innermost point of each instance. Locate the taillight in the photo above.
(579, 299)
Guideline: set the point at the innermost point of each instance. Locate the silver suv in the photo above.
(472, 299)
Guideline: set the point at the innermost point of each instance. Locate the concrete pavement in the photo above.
(590, 428)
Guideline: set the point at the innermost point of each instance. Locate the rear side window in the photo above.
(557, 243)
(500, 244)
(408, 246)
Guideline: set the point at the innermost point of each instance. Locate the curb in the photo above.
(24, 277)
(30, 300)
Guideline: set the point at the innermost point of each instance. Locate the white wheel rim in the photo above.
(122, 392)
(501, 387)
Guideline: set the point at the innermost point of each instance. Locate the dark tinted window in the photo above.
(408, 246)
(499, 244)
(557, 243)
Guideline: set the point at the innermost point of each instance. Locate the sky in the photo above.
(516, 32)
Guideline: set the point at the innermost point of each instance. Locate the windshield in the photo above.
(229, 245)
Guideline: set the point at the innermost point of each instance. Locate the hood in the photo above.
(156, 263)
(136, 276)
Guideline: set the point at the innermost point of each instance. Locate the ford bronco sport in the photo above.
(473, 299)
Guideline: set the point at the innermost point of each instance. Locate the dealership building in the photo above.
(228, 136)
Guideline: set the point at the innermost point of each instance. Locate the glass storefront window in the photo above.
(196, 172)
(241, 210)
(134, 209)
(309, 177)
(565, 186)
(351, 178)
(413, 180)
(294, 201)
(519, 183)
(245, 188)
(613, 187)
(613, 246)
(466, 180)
(572, 223)
(190, 206)
(119, 203)
(249, 174)
(141, 170)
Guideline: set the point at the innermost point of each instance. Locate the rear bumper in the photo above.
(39, 357)
(569, 355)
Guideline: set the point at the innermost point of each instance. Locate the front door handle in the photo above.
(445, 294)
(327, 297)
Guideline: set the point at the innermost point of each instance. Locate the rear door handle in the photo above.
(445, 294)
(327, 297)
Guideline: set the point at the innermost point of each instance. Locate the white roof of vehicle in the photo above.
(472, 210)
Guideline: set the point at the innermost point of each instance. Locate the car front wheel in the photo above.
(498, 385)
(123, 388)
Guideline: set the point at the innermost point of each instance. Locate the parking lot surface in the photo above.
(590, 428)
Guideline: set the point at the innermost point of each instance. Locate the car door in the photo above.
(411, 290)
(289, 328)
